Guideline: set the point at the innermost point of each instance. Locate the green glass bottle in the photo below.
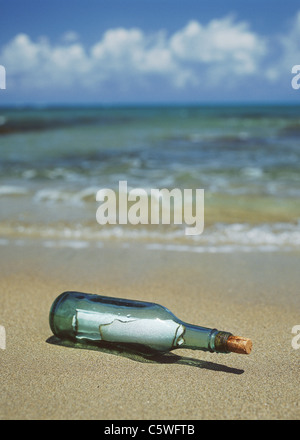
(141, 325)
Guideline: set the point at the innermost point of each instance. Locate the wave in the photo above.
(12, 190)
(69, 197)
(290, 130)
(217, 238)
(30, 120)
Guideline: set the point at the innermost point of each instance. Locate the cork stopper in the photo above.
(237, 344)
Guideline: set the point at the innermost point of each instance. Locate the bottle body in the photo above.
(95, 318)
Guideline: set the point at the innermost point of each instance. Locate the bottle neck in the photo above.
(206, 339)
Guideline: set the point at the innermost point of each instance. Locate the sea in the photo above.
(246, 158)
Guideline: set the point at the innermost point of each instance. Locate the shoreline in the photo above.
(250, 294)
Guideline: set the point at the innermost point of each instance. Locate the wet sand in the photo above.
(255, 295)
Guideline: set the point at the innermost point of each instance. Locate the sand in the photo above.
(255, 295)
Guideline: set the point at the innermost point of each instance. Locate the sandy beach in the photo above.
(250, 294)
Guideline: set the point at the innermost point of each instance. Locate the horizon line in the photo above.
(149, 104)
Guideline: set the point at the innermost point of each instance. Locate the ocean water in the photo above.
(246, 158)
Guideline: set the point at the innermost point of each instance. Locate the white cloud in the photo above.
(20, 55)
(125, 53)
(197, 54)
(220, 50)
(70, 37)
(287, 49)
(291, 40)
(220, 41)
(38, 64)
(119, 44)
(291, 46)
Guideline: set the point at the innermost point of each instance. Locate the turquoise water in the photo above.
(246, 158)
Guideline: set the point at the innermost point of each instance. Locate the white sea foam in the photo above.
(278, 234)
(68, 197)
(218, 238)
(10, 190)
(221, 249)
(79, 244)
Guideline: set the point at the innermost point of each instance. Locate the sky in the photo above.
(148, 51)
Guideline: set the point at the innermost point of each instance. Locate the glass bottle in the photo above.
(141, 325)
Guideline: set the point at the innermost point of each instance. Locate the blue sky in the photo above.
(139, 51)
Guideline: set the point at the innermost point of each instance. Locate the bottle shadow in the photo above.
(136, 354)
